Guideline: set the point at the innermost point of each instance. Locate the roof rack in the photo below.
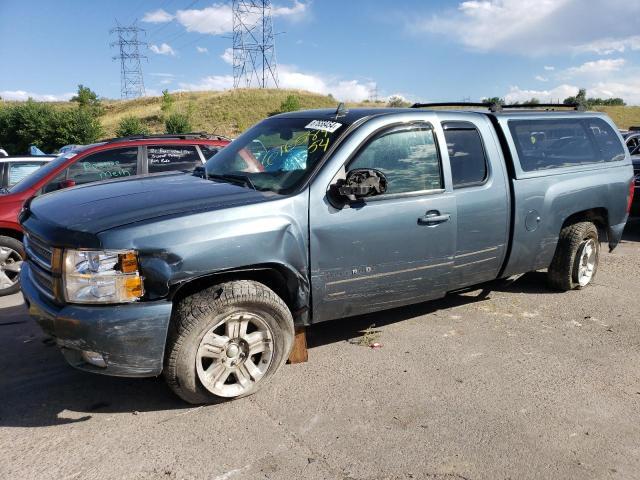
(179, 136)
(497, 107)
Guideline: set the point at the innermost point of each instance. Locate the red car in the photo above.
(117, 158)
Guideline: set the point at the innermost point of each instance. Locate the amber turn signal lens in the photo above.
(128, 262)
(133, 287)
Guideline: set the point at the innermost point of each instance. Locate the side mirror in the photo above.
(67, 184)
(362, 183)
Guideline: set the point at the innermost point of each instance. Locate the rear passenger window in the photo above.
(544, 144)
(105, 165)
(466, 154)
(164, 158)
(408, 158)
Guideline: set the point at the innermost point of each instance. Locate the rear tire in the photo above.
(575, 262)
(11, 258)
(227, 341)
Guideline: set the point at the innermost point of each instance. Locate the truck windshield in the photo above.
(277, 154)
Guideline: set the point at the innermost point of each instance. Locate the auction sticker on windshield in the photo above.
(324, 126)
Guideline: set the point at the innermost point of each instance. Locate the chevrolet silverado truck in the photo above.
(314, 216)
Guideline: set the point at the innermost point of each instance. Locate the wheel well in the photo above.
(7, 232)
(598, 216)
(279, 279)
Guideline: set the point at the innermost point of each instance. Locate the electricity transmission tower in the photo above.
(254, 51)
(131, 80)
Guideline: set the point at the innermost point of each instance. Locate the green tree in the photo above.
(579, 99)
(177, 123)
(290, 104)
(397, 101)
(167, 102)
(494, 100)
(87, 98)
(131, 125)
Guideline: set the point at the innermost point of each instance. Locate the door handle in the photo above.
(433, 218)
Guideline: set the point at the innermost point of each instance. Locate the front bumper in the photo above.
(131, 338)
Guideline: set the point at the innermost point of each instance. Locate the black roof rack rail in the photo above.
(179, 136)
(497, 107)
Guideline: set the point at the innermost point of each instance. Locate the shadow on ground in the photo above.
(39, 389)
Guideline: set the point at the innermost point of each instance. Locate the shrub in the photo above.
(177, 123)
(290, 104)
(74, 126)
(167, 102)
(131, 125)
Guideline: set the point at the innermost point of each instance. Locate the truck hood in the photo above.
(102, 206)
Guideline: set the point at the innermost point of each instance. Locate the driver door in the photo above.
(383, 251)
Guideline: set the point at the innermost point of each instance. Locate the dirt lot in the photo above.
(525, 383)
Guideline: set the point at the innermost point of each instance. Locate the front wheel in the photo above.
(575, 262)
(227, 341)
(11, 257)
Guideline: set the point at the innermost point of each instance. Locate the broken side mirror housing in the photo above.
(359, 183)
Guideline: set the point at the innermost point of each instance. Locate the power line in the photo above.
(131, 79)
(254, 51)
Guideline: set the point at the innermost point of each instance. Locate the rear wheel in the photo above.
(11, 257)
(227, 341)
(575, 262)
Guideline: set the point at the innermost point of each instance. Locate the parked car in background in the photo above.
(15, 169)
(112, 159)
(313, 216)
(632, 139)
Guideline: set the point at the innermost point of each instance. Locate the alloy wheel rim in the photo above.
(10, 265)
(235, 354)
(587, 264)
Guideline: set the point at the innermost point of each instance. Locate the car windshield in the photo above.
(275, 155)
(30, 180)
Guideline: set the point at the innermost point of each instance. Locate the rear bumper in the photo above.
(131, 338)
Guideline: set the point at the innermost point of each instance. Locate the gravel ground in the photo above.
(515, 382)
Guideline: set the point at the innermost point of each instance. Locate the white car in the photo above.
(14, 169)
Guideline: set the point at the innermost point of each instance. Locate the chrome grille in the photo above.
(38, 251)
(39, 256)
(42, 280)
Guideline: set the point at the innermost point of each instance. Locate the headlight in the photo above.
(109, 276)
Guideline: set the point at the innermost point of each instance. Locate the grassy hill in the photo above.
(231, 112)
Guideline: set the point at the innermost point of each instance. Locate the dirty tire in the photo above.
(563, 271)
(196, 316)
(14, 249)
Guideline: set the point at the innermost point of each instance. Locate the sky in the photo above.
(422, 50)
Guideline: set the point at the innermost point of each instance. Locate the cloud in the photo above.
(291, 78)
(202, 49)
(215, 20)
(597, 67)
(607, 46)
(218, 18)
(212, 82)
(540, 78)
(157, 16)
(549, 68)
(227, 56)
(22, 95)
(559, 93)
(295, 12)
(163, 49)
(534, 27)
(627, 88)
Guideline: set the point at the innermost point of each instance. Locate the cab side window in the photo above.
(466, 154)
(408, 157)
(105, 165)
(165, 158)
(209, 151)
